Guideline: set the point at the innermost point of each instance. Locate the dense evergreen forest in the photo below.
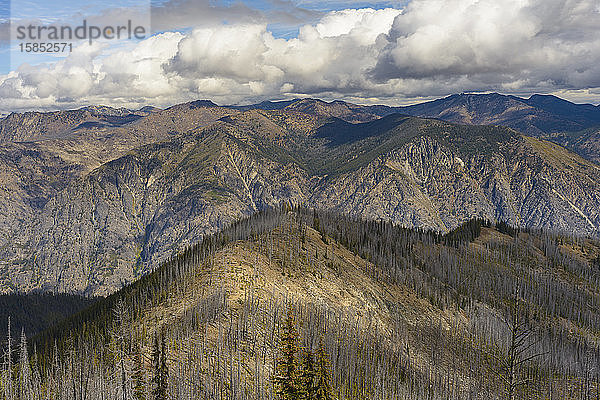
(294, 303)
(37, 311)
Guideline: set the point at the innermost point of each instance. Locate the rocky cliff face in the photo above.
(426, 184)
(93, 211)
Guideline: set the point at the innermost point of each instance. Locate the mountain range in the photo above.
(575, 126)
(97, 197)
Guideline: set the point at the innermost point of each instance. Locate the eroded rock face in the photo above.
(425, 184)
(125, 199)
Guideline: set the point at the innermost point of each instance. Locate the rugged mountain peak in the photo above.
(34, 125)
(556, 105)
(149, 109)
(192, 105)
(542, 113)
(202, 103)
(100, 110)
(308, 105)
(347, 111)
(265, 105)
(547, 97)
(486, 102)
(545, 116)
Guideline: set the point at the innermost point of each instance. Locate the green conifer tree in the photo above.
(160, 370)
(164, 370)
(288, 385)
(323, 378)
(308, 376)
(138, 375)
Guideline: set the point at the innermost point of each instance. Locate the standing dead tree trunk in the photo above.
(7, 373)
(521, 343)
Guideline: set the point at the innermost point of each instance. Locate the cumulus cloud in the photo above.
(514, 44)
(431, 48)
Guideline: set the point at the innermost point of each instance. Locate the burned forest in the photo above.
(295, 303)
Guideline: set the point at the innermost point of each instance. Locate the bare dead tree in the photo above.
(25, 385)
(521, 342)
(7, 376)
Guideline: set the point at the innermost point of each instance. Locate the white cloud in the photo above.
(535, 44)
(431, 48)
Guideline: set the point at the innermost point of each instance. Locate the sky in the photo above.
(240, 52)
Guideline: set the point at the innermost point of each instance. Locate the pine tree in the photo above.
(287, 378)
(308, 376)
(324, 390)
(36, 377)
(138, 376)
(164, 370)
(159, 364)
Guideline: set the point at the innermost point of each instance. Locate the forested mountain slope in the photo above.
(35, 312)
(576, 126)
(34, 171)
(536, 116)
(29, 126)
(401, 314)
(92, 221)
